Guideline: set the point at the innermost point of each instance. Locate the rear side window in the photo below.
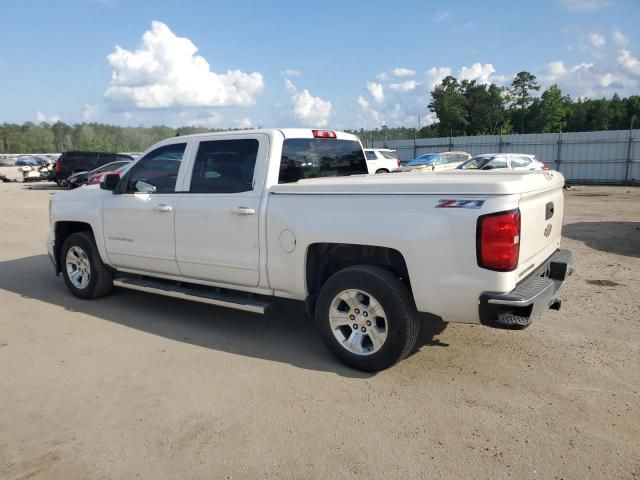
(224, 166)
(498, 162)
(389, 155)
(370, 155)
(319, 157)
(520, 162)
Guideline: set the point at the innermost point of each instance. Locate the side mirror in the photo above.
(110, 181)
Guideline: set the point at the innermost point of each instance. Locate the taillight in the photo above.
(498, 241)
(323, 134)
(398, 160)
(544, 167)
(57, 166)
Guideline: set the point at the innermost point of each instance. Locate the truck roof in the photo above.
(286, 132)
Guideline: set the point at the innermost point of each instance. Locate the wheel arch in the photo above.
(62, 231)
(325, 259)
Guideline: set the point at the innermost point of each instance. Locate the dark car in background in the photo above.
(74, 162)
(82, 178)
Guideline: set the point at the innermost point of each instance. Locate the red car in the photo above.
(96, 178)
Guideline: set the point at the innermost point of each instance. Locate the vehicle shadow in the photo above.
(285, 335)
(620, 238)
(45, 186)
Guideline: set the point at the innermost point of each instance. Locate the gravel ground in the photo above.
(140, 386)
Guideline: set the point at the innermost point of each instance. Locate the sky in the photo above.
(336, 64)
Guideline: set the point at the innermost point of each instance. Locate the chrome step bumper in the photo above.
(531, 297)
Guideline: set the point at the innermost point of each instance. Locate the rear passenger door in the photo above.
(218, 215)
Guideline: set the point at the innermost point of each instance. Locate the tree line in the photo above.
(462, 108)
(470, 108)
(60, 137)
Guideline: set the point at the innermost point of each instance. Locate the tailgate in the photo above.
(541, 227)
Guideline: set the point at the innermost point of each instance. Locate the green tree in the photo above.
(553, 110)
(450, 105)
(521, 87)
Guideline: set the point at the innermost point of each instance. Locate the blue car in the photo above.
(27, 161)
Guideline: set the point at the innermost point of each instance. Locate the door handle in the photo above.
(163, 208)
(243, 211)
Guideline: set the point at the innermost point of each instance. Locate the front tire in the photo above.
(85, 274)
(367, 318)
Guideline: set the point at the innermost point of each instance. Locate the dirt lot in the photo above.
(140, 386)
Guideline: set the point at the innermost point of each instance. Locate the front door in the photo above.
(138, 220)
(218, 217)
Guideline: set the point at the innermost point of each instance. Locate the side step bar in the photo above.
(171, 289)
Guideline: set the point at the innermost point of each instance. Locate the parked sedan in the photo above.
(82, 178)
(97, 177)
(381, 160)
(436, 161)
(513, 161)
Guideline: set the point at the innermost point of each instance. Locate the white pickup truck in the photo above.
(233, 219)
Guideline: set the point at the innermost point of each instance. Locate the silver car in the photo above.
(513, 161)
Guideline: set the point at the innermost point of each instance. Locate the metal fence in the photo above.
(607, 157)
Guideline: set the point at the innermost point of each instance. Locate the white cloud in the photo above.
(584, 5)
(441, 15)
(244, 123)
(619, 38)
(211, 120)
(165, 72)
(376, 90)
(629, 62)
(402, 72)
(288, 84)
(588, 79)
(41, 117)
(291, 72)
(597, 40)
(607, 69)
(309, 110)
(477, 72)
(404, 86)
(435, 75)
(89, 112)
(397, 72)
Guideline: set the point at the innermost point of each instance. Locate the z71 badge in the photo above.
(459, 203)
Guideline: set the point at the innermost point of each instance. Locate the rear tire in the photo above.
(85, 274)
(367, 318)
(382, 170)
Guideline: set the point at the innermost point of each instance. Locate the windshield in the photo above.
(475, 163)
(428, 159)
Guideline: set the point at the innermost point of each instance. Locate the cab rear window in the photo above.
(320, 157)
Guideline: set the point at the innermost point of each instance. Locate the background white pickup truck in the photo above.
(234, 218)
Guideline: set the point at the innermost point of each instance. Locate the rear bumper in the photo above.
(531, 297)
